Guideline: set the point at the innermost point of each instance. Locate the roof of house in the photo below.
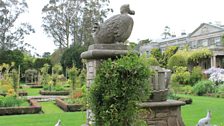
(203, 24)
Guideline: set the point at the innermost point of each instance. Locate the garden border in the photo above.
(68, 107)
(34, 108)
(42, 92)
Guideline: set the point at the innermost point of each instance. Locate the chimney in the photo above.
(173, 36)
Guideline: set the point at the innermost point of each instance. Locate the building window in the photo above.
(217, 41)
(194, 44)
(205, 42)
(148, 52)
(211, 41)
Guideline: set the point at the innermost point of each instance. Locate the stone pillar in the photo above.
(166, 113)
(213, 61)
(95, 55)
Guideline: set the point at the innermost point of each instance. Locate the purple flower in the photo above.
(214, 70)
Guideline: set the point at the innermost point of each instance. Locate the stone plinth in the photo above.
(166, 113)
(104, 51)
(95, 55)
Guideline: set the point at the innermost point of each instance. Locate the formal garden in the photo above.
(98, 77)
(200, 89)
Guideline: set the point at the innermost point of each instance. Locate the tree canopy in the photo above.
(12, 35)
(70, 21)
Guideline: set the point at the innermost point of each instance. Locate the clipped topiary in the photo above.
(177, 60)
(118, 86)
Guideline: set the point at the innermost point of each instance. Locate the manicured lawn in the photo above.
(67, 119)
(50, 108)
(33, 91)
(190, 114)
(50, 117)
(198, 109)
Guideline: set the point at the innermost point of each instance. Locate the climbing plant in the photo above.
(199, 54)
(118, 86)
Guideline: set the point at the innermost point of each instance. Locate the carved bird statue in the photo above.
(58, 123)
(205, 121)
(116, 29)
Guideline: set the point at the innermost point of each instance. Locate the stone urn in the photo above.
(159, 82)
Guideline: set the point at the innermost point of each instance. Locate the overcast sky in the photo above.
(149, 20)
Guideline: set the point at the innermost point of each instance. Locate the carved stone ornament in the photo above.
(116, 29)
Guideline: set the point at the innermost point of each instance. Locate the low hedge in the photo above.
(68, 107)
(34, 108)
(36, 86)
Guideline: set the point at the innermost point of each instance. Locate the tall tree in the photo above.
(166, 32)
(70, 21)
(12, 35)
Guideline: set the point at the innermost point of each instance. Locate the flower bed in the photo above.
(42, 92)
(68, 107)
(22, 93)
(34, 108)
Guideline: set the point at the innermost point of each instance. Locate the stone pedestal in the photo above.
(166, 113)
(95, 55)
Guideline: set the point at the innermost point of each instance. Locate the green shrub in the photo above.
(177, 60)
(72, 73)
(1, 101)
(181, 76)
(198, 55)
(10, 101)
(203, 87)
(186, 89)
(45, 87)
(221, 88)
(118, 86)
(59, 88)
(153, 61)
(196, 75)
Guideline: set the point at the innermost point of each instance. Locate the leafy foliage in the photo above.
(198, 55)
(196, 75)
(56, 56)
(153, 61)
(156, 52)
(45, 76)
(11, 34)
(8, 56)
(39, 63)
(71, 57)
(169, 52)
(71, 20)
(73, 73)
(164, 57)
(181, 75)
(203, 87)
(6, 81)
(117, 87)
(10, 101)
(177, 60)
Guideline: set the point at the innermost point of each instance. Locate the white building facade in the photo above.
(205, 36)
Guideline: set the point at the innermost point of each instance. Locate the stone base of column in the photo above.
(166, 113)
